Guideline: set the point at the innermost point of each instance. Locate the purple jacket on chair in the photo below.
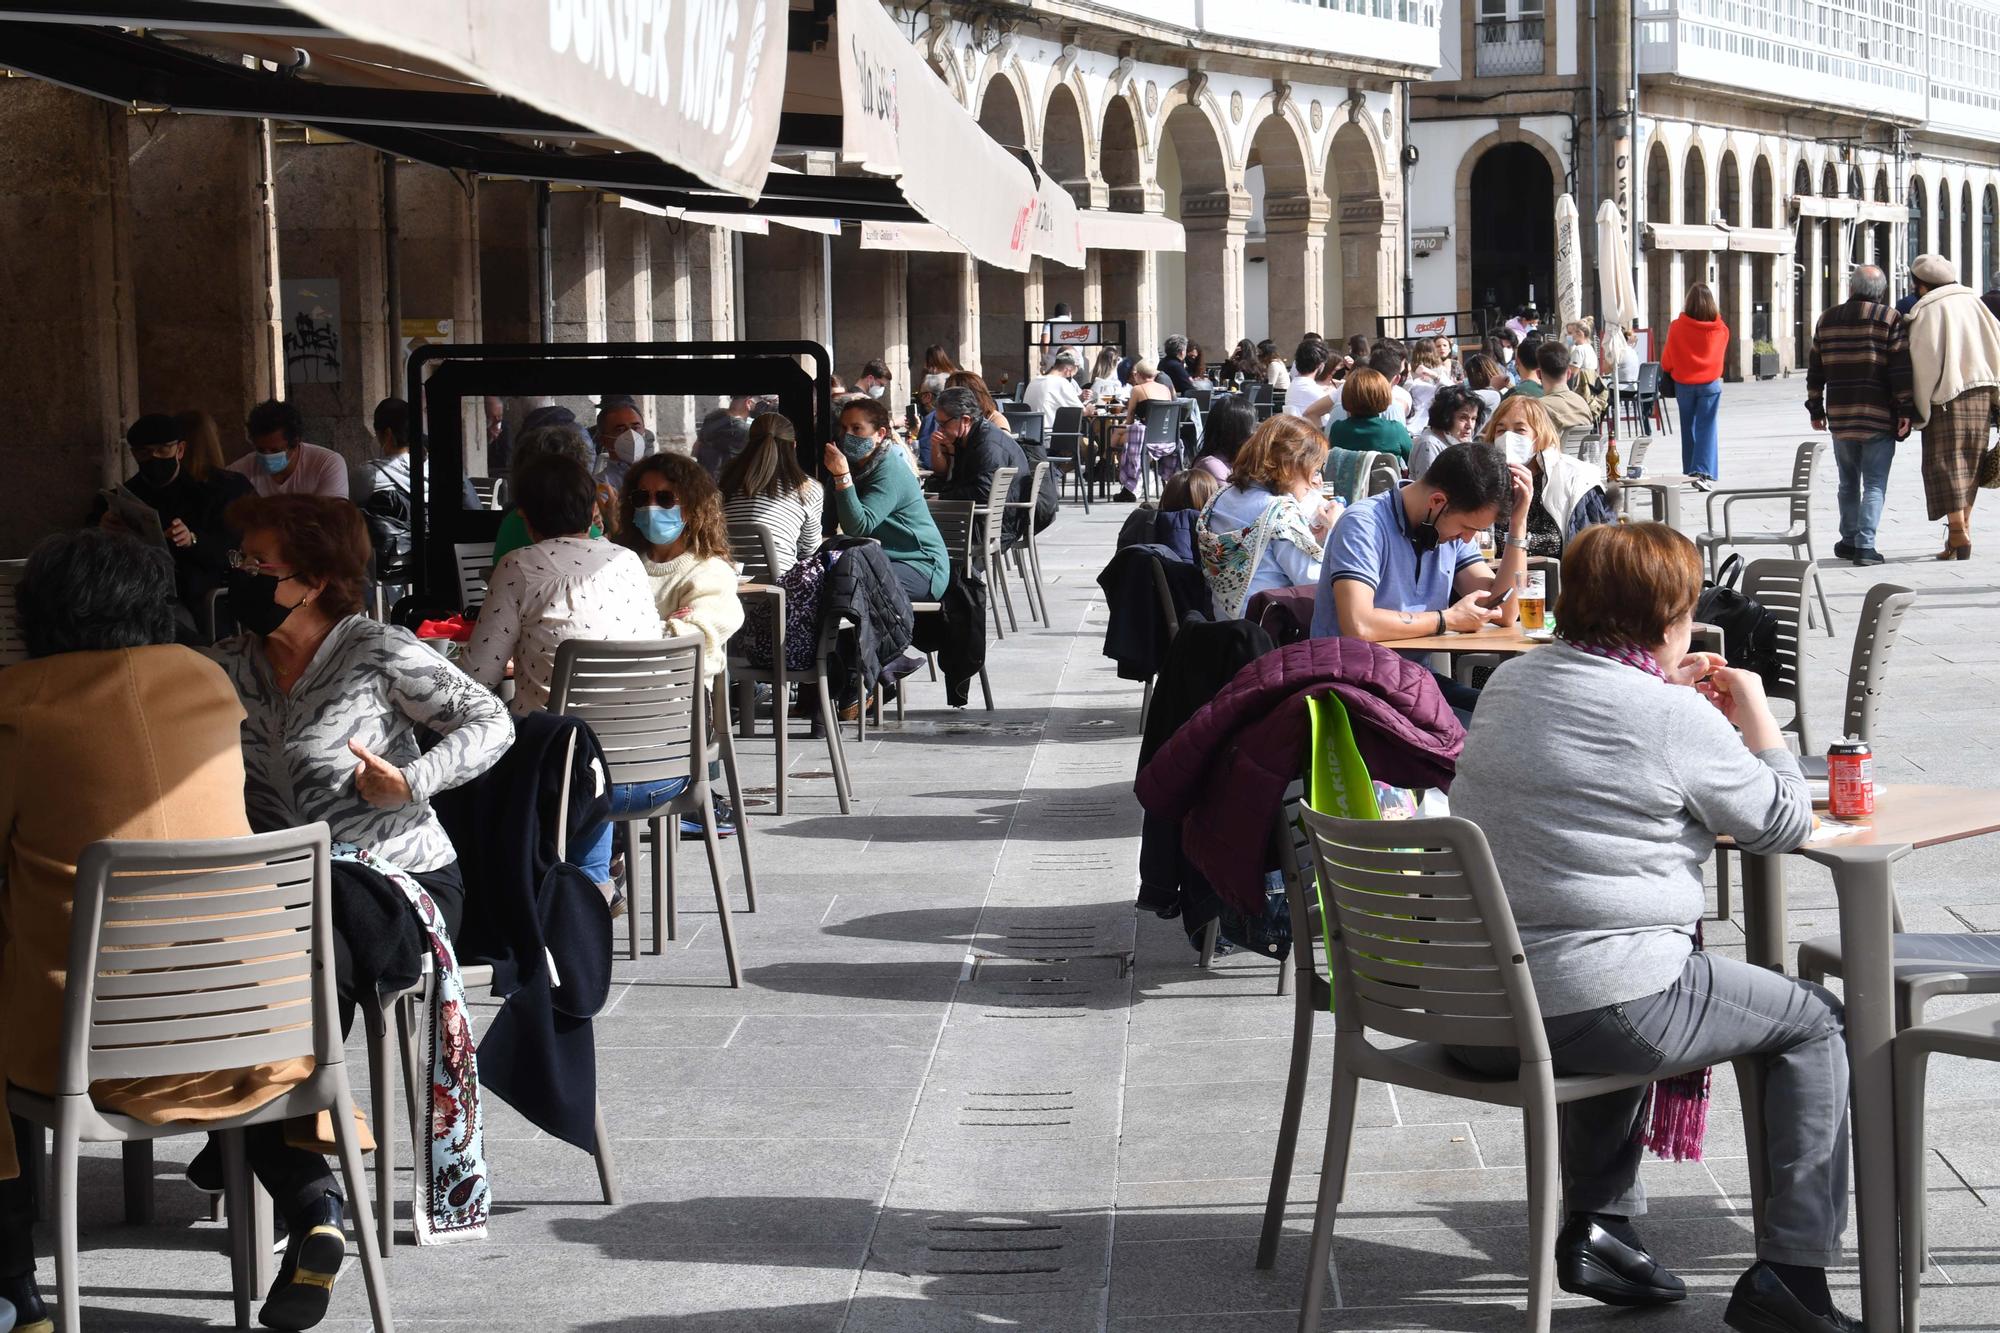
(1224, 774)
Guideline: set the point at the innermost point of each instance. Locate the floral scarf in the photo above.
(453, 1195)
(1230, 559)
(1676, 1119)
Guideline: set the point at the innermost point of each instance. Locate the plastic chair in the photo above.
(988, 519)
(1027, 425)
(1797, 534)
(756, 546)
(1161, 418)
(159, 987)
(1974, 1035)
(475, 568)
(648, 705)
(1574, 440)
(1064, 448)
(488, 489)
(955, 523)
(12, 650)
(1421, 945)
(1028, 551)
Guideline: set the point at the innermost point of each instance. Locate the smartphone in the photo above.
(1503, 599)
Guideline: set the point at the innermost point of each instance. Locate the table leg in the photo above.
(1862, 882)
(1672, 496)
(138, 1162)
(1764, 933)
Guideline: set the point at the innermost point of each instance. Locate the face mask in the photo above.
(1425, 538)
(1518, 446)
(1506, 356)
(662, 527)
(876, 391)
(858, 447)
(159, 471)
(629, 447)
(253, 600)
(276, 463)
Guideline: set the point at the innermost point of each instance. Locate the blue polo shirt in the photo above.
(1371, 544)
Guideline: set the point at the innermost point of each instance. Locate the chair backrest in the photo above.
(1784, 588)
(1066, 428)
(12, 649)
(1422, 944)
(1028, 425)
(1648, 383)
(1010, 407)
(1881, 622)
(1637, 458)
(756, 546)
(644, 699)
(1804, 463)
(1204, 398)
(997, 492)
(1027, 502)
(475, 567)
(955, 523)
(1573, 439)
(1163, 592)
(191, 957)
(487, 489)
(1162, 420)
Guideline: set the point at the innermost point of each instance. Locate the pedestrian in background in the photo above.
(1954, 368)
(1696, 343)
(1858, 386)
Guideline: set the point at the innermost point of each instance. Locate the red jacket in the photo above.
(1694, 350)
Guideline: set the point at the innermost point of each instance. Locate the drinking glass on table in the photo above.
(1533, 587)
(1485, 543)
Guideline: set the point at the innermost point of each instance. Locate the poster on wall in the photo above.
(310, 308)
(422, 333)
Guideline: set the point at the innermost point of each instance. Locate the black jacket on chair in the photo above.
(1136, 631)
(956, 632)
(869, 605)
(526, 908)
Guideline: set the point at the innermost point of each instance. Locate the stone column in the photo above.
(510, 276)
(204, 268)
(711, 264)
(1815, 260)
(1370, 260)
(784, 292)
(1743, 345)
(1130, 287)
(871, 313)
(330, 232)
(577, 278)
(943, 306)
(628, 286)
(1003, 308)
(1295, 253)
(1216, 227)
(66, 322)
(672, 289)
(1093, 285)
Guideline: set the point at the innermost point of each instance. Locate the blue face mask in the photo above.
(276, 463)
(662, 527)
(857, 446)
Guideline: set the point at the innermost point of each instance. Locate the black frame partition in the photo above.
(443, 375)
(1033, 338)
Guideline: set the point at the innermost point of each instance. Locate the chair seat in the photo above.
(1431, 1068)
(309, 1096)
(1927, 964)
(1788, 537)
(1974, 1033)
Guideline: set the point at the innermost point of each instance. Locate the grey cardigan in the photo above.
(1601, 790)
(376, 684)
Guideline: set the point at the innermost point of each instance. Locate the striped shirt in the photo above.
(795, 521)
(1858, 377)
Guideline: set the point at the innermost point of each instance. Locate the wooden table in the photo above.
(1906, 818)
(1498, 640)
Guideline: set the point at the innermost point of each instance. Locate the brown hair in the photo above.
(323, 539)
(878, 415)
(1530, 416)
(768, 464)
(694, 492)
(937, 361)
(1284, 449)
(203, 455)
(969, 379)
(1190, 488)
(1626, 583)
(1701, 303)
(1366, 393)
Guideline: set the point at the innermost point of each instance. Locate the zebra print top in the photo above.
(378, 685)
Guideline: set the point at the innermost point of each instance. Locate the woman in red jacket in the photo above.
(1696, 344)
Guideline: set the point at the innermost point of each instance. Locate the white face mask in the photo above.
(875, 391)
(629, 447)
(1520, 448)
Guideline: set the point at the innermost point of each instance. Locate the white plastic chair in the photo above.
(475, 567)
(1797, 534)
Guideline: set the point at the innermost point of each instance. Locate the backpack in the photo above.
(1049, 499)
(1749, 628)
(387, 511)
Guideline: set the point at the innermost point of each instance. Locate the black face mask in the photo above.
(159, 471)
(253, 600)
(1425, 537)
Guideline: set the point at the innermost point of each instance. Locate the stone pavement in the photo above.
(963, 1087)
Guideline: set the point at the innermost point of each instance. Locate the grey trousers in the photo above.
(1719, 1010)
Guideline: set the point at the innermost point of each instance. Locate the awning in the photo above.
(696, 85)
(1101, 229)
(1740, 240)
(899, 120)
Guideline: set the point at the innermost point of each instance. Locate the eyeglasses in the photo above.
(663, 498)
(248, 564)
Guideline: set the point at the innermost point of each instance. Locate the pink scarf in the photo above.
(1676, 1119)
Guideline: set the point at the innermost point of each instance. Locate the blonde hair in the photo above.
(1285, 449)
(1144, 370)
(1528, 416)
(1366, 393)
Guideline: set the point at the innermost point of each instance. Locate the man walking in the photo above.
(1858, 386)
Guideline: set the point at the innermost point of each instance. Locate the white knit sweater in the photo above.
(697, 595)
(1954, 346)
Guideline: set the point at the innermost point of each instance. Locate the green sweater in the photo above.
(886, 503)
(1384, 435)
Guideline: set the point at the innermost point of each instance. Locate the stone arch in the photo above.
(1802, 177)
(1201, 187)
(1763, 193)
(1007, 299)
(1965, 274)
(1881, 185)
(1066, 143)
(1367, 222)
(1659, 184)
(1294, 217)
(1128, 276)
(1694, 187)
(1462, 223)
(1918, 225)
(1941, 203)
(1729, 189)
(1829, 181)
(1002, 111)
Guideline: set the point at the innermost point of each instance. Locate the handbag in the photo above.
(802, 584)
(1749, 628)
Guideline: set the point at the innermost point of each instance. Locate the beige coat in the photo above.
(697, 595)
(1954, 346)
(138, 743)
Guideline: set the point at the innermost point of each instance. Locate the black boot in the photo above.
(30, 1315)
(314, 1252)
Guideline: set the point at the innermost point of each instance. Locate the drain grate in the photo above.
(1079, 861)
(1004, 1248)
(1018, 1110)
(1081, 810)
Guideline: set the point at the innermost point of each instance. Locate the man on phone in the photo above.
(1406, 564)
(191, 511)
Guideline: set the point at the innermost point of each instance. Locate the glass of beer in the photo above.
(1533, 595)
(1486, 543)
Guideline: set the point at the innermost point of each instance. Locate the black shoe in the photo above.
(314, 1252)
(1762, 1303)
(1124, 496)
(725, 822)
(1868, 556)
(205, 1171)
(1592, 1262)
(30, 1315)
(1843, 551)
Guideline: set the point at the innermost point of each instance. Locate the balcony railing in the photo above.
(1508, 46)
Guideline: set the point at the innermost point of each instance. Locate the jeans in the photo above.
(627, 799)
(1461, 699)
(1864, 478)
(1720, 1009)
(1698, 445)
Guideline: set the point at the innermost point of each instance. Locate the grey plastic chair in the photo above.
(757, 547)
(1422, 946)
(955, 523)
(475, 568)
(992, 531)
(12, 650)
(1027, 553)
(159, 985)
(1797, 533)
(1974, 1035)
(1312, 995)
(648, 706)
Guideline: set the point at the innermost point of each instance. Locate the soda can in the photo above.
(1850, 773)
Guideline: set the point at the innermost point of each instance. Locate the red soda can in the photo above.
(1850, 772)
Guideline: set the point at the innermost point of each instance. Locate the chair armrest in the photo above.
(1729, 497)
(1729, 500)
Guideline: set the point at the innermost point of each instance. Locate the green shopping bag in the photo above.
(1337, 782)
